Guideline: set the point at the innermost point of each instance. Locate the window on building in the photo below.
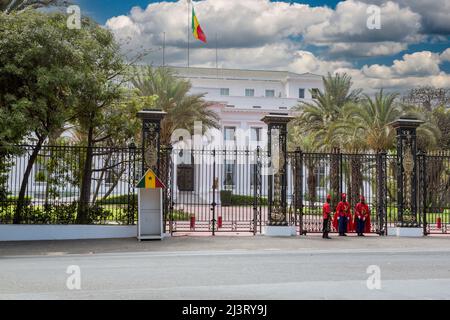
(301, 93)
(315, 93)
(252, 174)
(255, 134)
(229, 133)
(224, 91)
(321, 177)
(270, 93)
(40, 171)
(249, 92)
(229, 173)
(110, 176)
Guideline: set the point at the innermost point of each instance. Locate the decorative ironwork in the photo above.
(277, 193)
(151, 138)
(406, 171)
(381, 172)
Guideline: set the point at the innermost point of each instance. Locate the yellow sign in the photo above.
(150, 181)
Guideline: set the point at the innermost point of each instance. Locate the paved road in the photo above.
(234, 273)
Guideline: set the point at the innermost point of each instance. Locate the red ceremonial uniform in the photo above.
(326, 210)
(362, 211)
(343, 212)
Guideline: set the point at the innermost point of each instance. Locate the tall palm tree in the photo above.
(182, 108)
(307, 143)
(19, 5)
(368, 122)
(319, 116)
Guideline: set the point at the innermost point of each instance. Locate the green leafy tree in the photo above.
(38, 78)
(99, 92)
(441, 118)
(8, 6)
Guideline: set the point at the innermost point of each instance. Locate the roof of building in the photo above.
(240, 73)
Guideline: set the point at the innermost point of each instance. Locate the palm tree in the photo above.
(319, 116)
(19, 5)
(307, 143)
(182, 108)
(366, 126)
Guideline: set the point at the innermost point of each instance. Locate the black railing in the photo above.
(47, 189)
(212, 190)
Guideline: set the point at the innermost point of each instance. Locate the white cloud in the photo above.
(433, 13)
(417, 64)
(445, 56)
(366, 49)
(260, 34)
(348, 23)
(244, 23)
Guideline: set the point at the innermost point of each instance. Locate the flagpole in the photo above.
(188, 32)
(217, 59)
(164, 49)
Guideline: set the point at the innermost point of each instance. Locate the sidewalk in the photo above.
(225, 243)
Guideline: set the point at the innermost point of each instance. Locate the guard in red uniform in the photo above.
(342, 220)
(362, 217)
(326, 210)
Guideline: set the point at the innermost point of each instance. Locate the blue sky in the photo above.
(101, 10)
(319, 36)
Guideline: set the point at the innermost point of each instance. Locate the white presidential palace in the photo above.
(242, 97)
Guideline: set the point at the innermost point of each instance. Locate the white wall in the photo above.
(10, 232)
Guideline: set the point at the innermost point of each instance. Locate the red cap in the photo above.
(344, 195)
(361, 197)
(329, 197)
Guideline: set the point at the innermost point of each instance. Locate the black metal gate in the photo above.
(434, 194)
(315, 175)
(218, 191)
(214, 191)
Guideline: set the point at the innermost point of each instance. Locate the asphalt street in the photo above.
(273, 271)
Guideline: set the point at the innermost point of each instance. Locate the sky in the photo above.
(410, 47)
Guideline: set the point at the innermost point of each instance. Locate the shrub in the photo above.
(14, 199)
(98, 214)
(225, 197)
(120, 199)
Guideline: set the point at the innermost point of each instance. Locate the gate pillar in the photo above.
(151, 138)
(277, 191)
(407, 182)
(151, 154)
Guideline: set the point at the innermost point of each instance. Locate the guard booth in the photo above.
(150, 207)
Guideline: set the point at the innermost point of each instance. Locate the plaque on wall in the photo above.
(185, 177)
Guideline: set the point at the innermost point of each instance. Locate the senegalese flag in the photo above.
(196, 29)
(150, 181)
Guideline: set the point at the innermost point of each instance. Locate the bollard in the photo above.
(439, 223)
(192, 222)
(219, 222)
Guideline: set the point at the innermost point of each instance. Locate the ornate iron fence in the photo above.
(214, 190)
(434, 192)
(43, 186)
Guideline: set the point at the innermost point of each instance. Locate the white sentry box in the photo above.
(150, 214)
(150, 207)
